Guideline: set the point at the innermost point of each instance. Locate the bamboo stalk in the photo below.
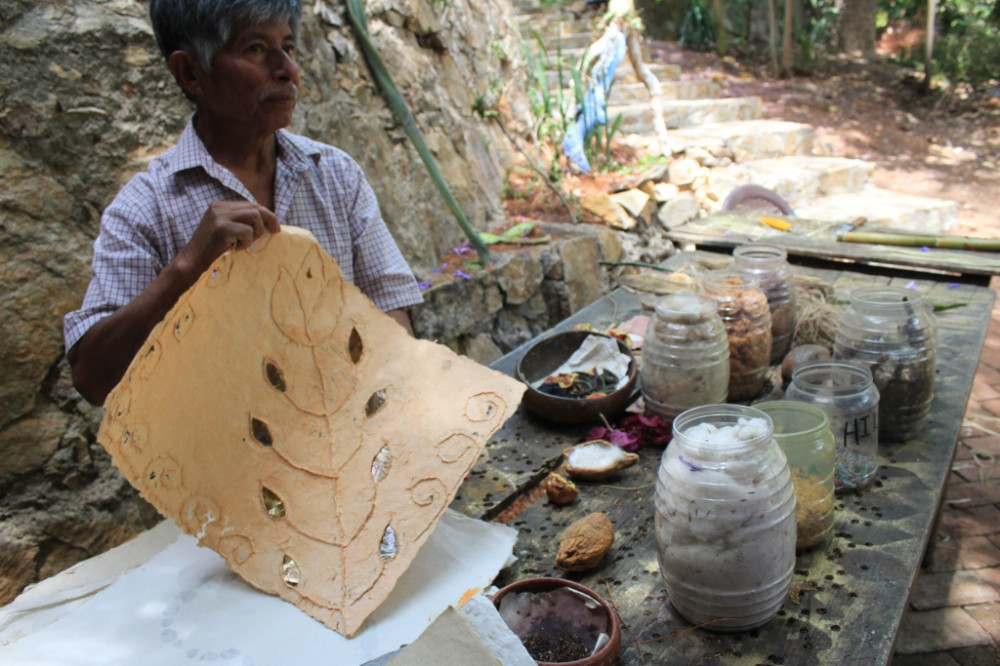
(950, 242)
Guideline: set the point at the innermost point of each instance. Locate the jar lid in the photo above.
(685, 302)
(794, 419)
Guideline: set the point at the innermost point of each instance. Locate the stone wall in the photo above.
(526, 290)
(87, 102)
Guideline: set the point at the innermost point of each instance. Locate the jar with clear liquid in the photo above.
(846, 392)
(769, 264)
(745, 314)
(890, 330)
(685, 356)
(725, 518)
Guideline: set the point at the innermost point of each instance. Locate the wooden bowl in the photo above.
(607, 655)
(545, 356)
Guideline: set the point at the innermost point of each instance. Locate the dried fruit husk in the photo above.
(597, 459)
(559, 489)
(583, 544)
(799, 356)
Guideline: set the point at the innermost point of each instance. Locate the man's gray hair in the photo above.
(200, 27)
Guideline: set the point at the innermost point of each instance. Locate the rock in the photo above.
(684, 171)
(28, 443)
(610, 211)
(456, 307)
(481, 348)
(585, 283)
(679, 210)
(636, 203)
(663, 192)
(520, 277)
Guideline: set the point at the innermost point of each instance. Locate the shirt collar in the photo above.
(293, 153)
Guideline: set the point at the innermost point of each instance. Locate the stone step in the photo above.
(627, 93)
(747, 139)
(795, 179)
(551, 25)
(638, 118)
(558, 37)
(883, 210)
(624, 74)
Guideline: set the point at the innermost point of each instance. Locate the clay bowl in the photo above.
(607, 655)
(545, 356)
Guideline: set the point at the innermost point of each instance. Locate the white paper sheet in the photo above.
(185, 605)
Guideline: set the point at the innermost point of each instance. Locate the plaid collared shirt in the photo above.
(317, 187)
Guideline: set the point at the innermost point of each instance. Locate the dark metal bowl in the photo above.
(546, 356)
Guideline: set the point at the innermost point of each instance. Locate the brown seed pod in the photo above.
(583, 544)
(801, 355)
(559, 489)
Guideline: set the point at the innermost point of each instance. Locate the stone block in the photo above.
(455, 307)
(480, 348)
(520, 277)
(675, 213)
(584, 280)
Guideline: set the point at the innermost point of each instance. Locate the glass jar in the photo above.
(890, 330)
(685, 356)
(745, 314)
(769, 264)
(846, 392)
(725, 518)
(803, 433)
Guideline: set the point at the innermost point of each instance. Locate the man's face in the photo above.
(254, 80)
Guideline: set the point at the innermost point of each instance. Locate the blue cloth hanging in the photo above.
(595, 106)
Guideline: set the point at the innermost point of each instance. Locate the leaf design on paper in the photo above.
(283, 420)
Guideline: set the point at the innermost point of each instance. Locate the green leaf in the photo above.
(517, 231)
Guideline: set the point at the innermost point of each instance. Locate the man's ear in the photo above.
(187, 72)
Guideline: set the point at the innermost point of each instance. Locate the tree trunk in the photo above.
(644, 74)
(929, 49)
(786, 40)
(856, 26)
(772, 35)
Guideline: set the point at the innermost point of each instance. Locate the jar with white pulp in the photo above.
(890, 330)
(743, 308)
(769, 264)
(685, 356)
(725, 518)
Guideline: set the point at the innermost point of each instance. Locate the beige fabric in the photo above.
(277, 415)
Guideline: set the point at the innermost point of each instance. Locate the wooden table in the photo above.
(816, 242)
(847, 598)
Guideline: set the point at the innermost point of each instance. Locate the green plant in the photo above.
(970, 54)
(698, 28)
(817, 33)
(968, 47)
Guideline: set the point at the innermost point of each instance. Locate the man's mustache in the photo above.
(284, 92)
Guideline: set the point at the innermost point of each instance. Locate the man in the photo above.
(234, 175)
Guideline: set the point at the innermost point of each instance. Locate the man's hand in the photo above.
(225, 225)
(99, 359)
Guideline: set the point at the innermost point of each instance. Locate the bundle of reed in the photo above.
(918, 240)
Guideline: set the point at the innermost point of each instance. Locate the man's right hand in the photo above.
(101, 357)
(225, 225)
